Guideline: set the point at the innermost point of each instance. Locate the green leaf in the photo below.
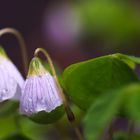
(87, 80)
(124, 136)
(117, 21)
(133, 102)
(43, 117)
(8, 108)
(120, 136)
(101, 114)
(33, 130)
(7, 126)
(104, 109)
(130, 60)
(17, 137)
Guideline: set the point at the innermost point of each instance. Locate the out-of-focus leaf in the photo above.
(7, 126)
(8, 108)
(133, 102)
(16, 137)
(101, 113)
(124, 136)
(87, 80)
(120, 136)
(33, 130)
(108, 105)
(117, 20)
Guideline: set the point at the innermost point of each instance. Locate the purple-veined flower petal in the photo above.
(11, 80)
(39, 93)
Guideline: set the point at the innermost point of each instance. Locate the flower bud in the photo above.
(40, 99)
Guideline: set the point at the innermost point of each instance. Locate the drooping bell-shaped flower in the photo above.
(40, 91)
(11, 80)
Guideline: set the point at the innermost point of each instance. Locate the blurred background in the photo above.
(72, 30)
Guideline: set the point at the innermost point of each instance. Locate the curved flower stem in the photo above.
(68, 110)
(55, 76)
(21, 44)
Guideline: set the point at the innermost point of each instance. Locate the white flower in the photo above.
(40, 92)
(11, 80)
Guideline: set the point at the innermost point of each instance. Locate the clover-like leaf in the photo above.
(101, 113)
(107, 106)
(130, 60)
(87, 80)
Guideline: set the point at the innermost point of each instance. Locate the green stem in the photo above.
(21, 44)
(131, 130)
(110, 132)
(17, 123)
(68, 110)
(78, 133)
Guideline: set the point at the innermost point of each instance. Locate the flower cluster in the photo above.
(39, 92)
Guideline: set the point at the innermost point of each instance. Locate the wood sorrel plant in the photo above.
(104, 88)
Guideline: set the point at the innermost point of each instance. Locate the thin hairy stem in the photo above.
(21, 44)
(68, 110)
